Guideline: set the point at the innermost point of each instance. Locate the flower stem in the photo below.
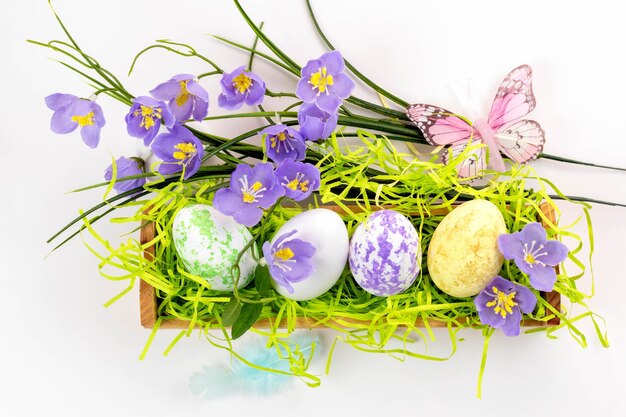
(248, 245)
(253, 51)
(576, 162)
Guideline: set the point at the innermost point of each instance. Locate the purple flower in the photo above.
(250, 191)
(144, 118)
(315, 123)
(71, 112)
(126, 167)
(241, 86)
(184, 96)
(178, 149)
(501, 304)
(289, 261)
(534, 254)
(324, 82)
(298, 179)
(282, 143)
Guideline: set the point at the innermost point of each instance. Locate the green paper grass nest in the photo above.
(357, 180)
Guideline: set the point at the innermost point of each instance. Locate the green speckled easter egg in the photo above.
(209, 242)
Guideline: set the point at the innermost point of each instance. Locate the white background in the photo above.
(62, 353)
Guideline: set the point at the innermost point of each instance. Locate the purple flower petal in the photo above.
(90, 135)
(488, 316)
(248, 216)
(169, 168)
(228, 201)
(61, 122)
(241, 171)
(263, 173)
(305, 91)
(182, 77)
(229, 103)
(328, 102)
(301, 248)
(333, 61)
(525, 299)
(255, 95)
(270, 196)
(300, 271)
(533, 232)
(542, 278)
(510, 246)
(57, 101)
(343, 86)
(200, 110)
(197, 90)
(181, 111)
(284, 237)
(168, 118)
(511, 326)
(98, 115)
(311, 66)
(126, 167)
(166, 91)
(556, 253)
(315, 124)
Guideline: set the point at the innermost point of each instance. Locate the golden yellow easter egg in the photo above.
(463, 254)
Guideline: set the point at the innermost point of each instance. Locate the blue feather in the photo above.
(219, 381)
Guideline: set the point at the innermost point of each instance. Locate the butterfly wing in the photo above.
(474, 163)
(442, 127)
(439, 126)
(521, 140)
(514, 99)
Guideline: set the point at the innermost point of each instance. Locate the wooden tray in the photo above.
(148, 302)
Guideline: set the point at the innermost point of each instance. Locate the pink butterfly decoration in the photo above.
(504, 131)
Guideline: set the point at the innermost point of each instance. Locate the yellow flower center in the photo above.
(284, 254)
(184, 151)
(242, 83)
(530, 259)
(280, 137)
(320, 80)
(86, 120)
(183, 96)
(250, 197)
(295, 184)
(149, 114)
(503, 304)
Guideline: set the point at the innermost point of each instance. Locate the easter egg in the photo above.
(463, 254)
(327, 233)
(209, 243)
(385, 254)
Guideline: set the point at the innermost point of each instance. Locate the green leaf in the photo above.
(231, 312)
(247, 317)
(262, 280)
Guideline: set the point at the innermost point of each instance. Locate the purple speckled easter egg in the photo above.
(385, 254)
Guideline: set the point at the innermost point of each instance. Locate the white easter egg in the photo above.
(326, 231)
(209, 243)
(385, 253)
(463, 254)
